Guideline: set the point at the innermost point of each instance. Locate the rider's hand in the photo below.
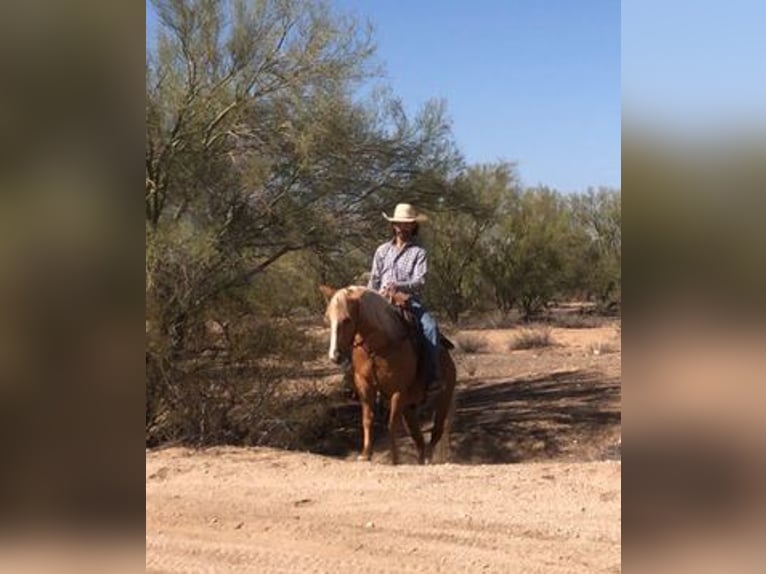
(388, 290)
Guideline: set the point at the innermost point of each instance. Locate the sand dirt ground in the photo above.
(533, 486)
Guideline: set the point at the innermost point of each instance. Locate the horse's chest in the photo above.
(387, 375)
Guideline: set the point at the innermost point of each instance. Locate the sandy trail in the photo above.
(265, 510)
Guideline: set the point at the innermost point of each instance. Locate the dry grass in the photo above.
(576, 321)
(533, 338)
(603, 348)
(469, 367)
(486, 320)
(470, 343)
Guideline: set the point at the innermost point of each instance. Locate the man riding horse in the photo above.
(400, 265)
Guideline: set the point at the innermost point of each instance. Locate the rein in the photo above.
(374, 352)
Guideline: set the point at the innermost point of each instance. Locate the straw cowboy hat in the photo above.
(405, 213)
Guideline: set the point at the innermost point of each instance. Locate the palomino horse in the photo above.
(366, 327)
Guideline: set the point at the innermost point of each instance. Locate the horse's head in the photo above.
(342, 314)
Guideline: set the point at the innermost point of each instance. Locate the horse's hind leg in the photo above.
(413, 425)
(367, 415)
(393, 425)
(440, 418)
(444, 405)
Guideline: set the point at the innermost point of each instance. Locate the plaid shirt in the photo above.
(405, 269)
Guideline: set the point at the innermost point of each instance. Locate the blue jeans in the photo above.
(430, 334)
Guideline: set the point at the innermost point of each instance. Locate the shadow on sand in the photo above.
(562, 415)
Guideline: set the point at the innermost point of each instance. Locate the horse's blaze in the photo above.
(333, 352)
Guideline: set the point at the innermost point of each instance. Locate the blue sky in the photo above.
(693, 66)
(535, 82)
(530, 81)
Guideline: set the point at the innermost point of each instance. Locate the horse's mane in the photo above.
(337, 308)
(372, 305)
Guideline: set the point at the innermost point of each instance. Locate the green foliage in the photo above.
(598, 215)
(544, 246)
(524, 255)
(255, 143)
(455, 281)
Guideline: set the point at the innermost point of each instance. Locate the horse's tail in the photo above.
(443, 450)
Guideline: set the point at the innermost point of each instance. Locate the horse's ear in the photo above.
(327, 291)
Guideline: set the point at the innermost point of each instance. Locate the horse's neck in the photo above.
(380, 328)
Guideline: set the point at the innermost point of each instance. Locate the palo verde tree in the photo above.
(525, 255)
(255, 147)
(597, 213)
(258, 145)
(456, 283)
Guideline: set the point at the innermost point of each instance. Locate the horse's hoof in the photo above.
(363, 458)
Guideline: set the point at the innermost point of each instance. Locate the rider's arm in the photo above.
(418, 279)
(374, 281)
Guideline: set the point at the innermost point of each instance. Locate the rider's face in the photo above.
(404, 230)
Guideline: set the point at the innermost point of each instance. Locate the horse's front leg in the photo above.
(367, 416)
(393, 425)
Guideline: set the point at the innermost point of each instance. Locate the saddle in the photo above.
(401, 301)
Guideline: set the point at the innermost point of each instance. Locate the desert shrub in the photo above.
(574, 321)
(532, 338)
(500, 320)
(228, 396)
(470, 343)
(308, 421)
